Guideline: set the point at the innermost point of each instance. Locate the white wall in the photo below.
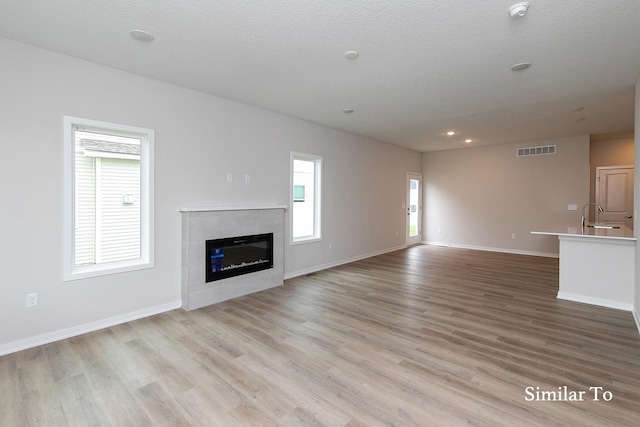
(198, 140)
(478, 196)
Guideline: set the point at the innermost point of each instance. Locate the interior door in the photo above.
(414, 208)
(614, 193)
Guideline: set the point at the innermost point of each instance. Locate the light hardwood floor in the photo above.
(423, 336)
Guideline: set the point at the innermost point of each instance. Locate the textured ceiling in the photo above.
(424, 66)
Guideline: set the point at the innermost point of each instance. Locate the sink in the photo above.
(607, 227)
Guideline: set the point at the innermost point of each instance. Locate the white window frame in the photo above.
(146, 260)
(317, 197)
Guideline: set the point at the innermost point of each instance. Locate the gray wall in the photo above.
(198, 140)
(478, 197)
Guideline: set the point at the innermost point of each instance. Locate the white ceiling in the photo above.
(425, 66)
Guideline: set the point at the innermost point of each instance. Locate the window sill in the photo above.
(306, 240)
(97, 270)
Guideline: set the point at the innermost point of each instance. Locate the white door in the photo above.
(414, 208)
(614, 193)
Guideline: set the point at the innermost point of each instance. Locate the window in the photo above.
(306, 172)
(108, 198)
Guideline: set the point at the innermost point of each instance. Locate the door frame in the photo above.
(415, 240)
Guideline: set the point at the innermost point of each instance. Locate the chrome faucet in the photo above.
(587, 204)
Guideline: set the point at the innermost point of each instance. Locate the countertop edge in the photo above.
(583, 236)
(571, 230)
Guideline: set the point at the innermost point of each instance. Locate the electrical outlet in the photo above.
(32, 299)
(247, 179)
(513, 235)
(572, 207)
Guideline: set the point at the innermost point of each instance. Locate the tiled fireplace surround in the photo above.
(202, 224)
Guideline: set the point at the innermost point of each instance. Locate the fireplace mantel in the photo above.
(200, 224)
(230, 208)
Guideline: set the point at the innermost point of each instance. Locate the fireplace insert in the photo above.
(235, 256)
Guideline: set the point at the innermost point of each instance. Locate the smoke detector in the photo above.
(518, 10)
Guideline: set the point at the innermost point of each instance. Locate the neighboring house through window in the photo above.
(108, 188)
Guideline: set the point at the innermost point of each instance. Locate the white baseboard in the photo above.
(596, 301)
(61, 334)
(315, 268)
(491, 249)
(637, 319)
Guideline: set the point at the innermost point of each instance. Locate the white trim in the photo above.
(317, 197)
(231, 208)
(490, 249)
(104, 155)
(303, 240)
(315, 268)
(595, 301)
(636, 318)
(146, 260)
(61, 334)
(415, 239)
(97, 215)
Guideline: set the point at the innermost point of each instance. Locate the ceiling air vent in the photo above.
(537, 151)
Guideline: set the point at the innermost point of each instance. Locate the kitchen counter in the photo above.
(596, 264)
(575, 229)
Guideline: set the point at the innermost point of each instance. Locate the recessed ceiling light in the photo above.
(141, 35)
(351, 54)
(468, 140)
(521, 66)
(348, 110)
(451, 133)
